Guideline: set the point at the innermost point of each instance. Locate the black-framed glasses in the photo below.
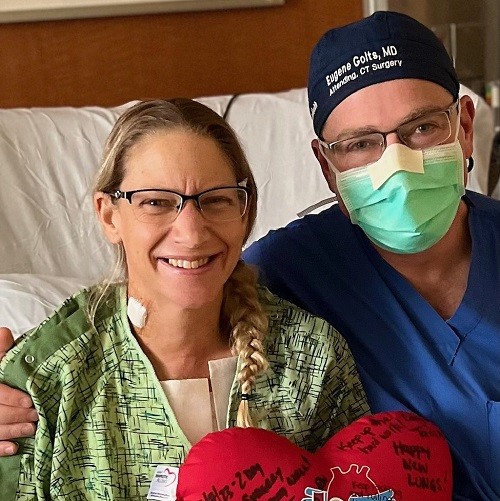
(425, 131)
(225, 203)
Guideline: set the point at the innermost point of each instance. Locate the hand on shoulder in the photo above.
(17, 415)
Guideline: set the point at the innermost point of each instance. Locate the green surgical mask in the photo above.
(406, 201)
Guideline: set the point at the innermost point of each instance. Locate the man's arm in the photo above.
(17, 415)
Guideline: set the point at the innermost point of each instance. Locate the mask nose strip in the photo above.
(396, 157)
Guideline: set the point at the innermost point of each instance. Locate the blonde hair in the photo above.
(243, 311)
(242, 315)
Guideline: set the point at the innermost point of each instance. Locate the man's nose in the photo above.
(392, 138)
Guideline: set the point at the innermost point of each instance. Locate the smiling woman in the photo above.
(189, 163)
(179, 341)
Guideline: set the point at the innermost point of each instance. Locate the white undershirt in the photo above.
(197, 409)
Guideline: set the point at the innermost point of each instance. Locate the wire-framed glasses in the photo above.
(225, 203)
(425, 131)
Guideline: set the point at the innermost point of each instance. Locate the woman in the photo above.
(179, 341)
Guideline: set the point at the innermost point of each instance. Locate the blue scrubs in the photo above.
(407, 355)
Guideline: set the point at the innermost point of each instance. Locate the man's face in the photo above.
(385, 106)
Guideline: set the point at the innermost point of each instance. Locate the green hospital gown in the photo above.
(105, 422)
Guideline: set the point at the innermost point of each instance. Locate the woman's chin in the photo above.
(193, 299)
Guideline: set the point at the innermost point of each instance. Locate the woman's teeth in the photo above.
(182, 263)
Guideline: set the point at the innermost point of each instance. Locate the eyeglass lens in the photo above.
(224, 204)
(423, 132)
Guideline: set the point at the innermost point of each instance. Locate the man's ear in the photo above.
(108, 216)
(467, 113)
(325, 168)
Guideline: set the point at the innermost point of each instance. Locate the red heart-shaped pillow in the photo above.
(387, 456)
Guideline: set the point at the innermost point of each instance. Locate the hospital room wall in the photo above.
(109, 61)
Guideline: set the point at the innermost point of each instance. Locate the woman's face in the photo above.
(184, 263)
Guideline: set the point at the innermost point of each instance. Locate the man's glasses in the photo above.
(222, 204)
(425, 131)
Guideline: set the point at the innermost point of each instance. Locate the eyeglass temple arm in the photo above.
(317, 205)
(117, 194)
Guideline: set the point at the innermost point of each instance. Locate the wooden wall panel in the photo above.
(109, 61)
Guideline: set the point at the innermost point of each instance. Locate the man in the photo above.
(407, 266)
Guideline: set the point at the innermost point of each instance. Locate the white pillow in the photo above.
(26, 300)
